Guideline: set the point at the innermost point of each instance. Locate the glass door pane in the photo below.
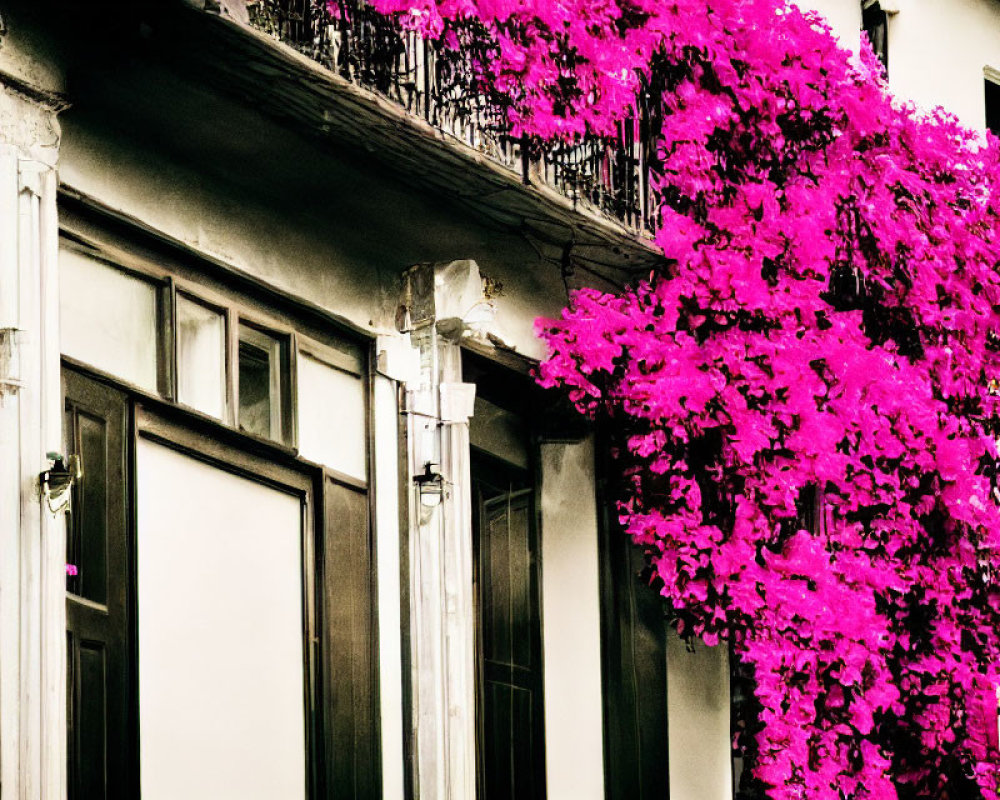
(221, 689)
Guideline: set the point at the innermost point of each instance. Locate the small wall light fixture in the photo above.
(57, 481)
(430, 484)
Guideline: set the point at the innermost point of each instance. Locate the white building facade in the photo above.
(266, 340)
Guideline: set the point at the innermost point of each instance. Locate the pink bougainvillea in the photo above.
(804, 395)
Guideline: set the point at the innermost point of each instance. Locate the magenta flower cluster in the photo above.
(805, 396)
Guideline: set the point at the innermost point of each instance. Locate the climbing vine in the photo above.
(805, 393)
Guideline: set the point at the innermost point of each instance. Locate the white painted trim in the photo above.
(32, 540)
(53, 531)
(442, 616)
(459, 618)
(29, 268)
(386, 458)
(10, 491)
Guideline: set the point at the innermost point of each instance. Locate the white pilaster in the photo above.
(390, 666)
(32, 540)
(442, 616)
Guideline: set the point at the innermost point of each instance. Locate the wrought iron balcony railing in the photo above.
(609, 174)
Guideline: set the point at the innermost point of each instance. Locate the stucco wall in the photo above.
(698, 716)
(844, 17)
(937, 49)
(574, 752)
(332, 235)
(937, 52)
(26, 53)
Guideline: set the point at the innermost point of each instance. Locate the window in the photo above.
(220, 669)
(108, 318)
(264, 400)
(201, 357)
(331, 416)
(174, 514)
(991, 86)
(194, 346)
(875, 24)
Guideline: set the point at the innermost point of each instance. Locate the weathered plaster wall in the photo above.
(937, 49)
(30, 128)
(31, 77)
(26, 54)
(574, 752)
(698, 716)
(937, 52)
(333, 235)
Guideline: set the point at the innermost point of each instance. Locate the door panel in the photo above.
(220, 632)
(509, 753)
(96, 615)
(634, 660)
(350, 657)
(93, 714)
(511, 746)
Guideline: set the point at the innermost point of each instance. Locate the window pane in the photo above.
(201, 362)
(875, 23)
(331, 417)
(992, 106)
(108, 318)
(260, 382)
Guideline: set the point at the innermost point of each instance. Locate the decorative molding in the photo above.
(10, 383)
(440, 537)
(50, 101)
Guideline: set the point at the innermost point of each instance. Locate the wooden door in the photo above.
(96, 613)
(633, 656)
(509, 631)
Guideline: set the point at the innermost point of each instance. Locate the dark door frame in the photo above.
(344, 677)
(342, 739)
(489, 470)
(168, 428)
(97, 620)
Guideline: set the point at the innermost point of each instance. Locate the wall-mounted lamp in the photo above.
(430, 484)
(57, 480)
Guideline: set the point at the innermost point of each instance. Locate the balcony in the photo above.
(608, 177)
